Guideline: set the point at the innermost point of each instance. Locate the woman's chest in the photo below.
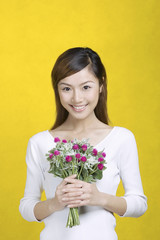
(94, 137)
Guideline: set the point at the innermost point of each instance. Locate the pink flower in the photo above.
(100, 159)
(56, 139)
(78, 155)
(100, 166)
(84, 147)
(103, 154)
(64, 141)
(83, 159)
(68, 158)
(94, 152)
(75, 146)
(56, 152)
(51, 155)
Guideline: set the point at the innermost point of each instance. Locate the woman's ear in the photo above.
(100, 89)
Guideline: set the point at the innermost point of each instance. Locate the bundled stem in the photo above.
(73, 217)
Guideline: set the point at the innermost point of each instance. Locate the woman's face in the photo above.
(79, 90)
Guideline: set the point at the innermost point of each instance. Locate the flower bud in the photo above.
(51, 155)
(56, 139)
(100, 159)
(68, 158)
(56, 152)
(75, 146)
(100, 166)
(84, 147)
(94, 152)
(83, 159)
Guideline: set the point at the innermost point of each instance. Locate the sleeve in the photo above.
(34, 183)
(131, 179)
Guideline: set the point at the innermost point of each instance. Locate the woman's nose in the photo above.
(77, 96)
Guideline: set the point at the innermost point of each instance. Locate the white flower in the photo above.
(92, 160)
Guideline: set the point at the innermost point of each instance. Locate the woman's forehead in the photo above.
(79, 78)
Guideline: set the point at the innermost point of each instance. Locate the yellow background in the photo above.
(33, 34)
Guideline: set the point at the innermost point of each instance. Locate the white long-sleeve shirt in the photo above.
(95, 222)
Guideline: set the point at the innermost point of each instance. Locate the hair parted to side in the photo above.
(70, 62)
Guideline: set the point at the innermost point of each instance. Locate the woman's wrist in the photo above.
(112, 203)
(103, 199)
(45, 208)
(52, 205)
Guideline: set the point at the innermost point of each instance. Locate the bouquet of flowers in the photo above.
(76, 157)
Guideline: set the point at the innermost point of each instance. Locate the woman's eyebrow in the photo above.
(71, 85)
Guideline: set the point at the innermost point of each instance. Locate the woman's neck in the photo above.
(81, 125)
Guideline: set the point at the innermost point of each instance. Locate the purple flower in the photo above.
(64, 141)
(75, 146)
(84, 147)
(100, 166)
(68, 158)
(103, 154)
(83, 159)
(78, 155)
(51, 155)
(56, 152)
(94, 152)
(100, 159)
(56, 139)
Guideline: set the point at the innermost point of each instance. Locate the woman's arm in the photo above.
(113, 203)
(45, 208)
(134, 202)
(128, 165)
(31, 207)
(92, 196)
(34, 183)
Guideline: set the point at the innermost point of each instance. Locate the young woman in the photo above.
(80, 84)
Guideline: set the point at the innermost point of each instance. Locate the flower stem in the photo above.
(73, 217)
(95, 169)
(64, 172)
(80, 171)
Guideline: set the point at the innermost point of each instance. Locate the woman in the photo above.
(80, 84)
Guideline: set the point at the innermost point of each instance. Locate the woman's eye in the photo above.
(65, 88)
(87, 86)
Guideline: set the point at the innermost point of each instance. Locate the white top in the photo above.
(95, 222)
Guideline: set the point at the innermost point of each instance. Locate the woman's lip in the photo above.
(81, 109)
(78, 106)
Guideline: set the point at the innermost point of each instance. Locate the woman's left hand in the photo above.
(90, 194)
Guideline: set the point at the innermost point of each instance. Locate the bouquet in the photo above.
(76, 157)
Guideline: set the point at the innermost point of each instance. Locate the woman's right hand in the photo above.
(45, 208)
(61, 192)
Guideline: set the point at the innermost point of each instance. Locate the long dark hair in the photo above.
(70, 62)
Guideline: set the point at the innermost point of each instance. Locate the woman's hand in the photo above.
(67, 193)
(79, 193)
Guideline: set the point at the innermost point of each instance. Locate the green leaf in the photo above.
(89, 179)
(98, 174)
(84, 173)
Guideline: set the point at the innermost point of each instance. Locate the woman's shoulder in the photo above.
(125, 136)
(124, 130)
(39, 137)
(124, 133)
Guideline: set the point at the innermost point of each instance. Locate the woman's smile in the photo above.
(78, 108)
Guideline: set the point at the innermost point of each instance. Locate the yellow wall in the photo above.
(33, 34)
